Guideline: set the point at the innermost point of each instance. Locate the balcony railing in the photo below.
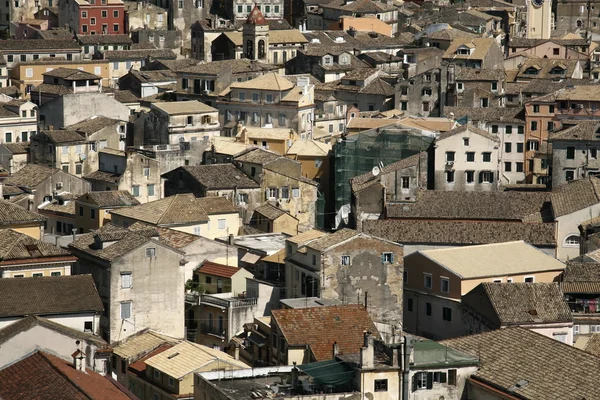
(585, 307)
(212, 330)
(227, 303)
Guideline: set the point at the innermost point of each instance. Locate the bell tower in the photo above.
(255, 36)
(539, 19)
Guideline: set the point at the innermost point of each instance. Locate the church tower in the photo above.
(256, 36)
(539, 19)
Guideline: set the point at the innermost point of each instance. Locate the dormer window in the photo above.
(464, 51)
(328, 60)
(557, 71)
(344, 60)
(531, 71)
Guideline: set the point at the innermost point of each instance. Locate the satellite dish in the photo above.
(376, 170)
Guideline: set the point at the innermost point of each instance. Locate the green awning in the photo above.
(329, 372)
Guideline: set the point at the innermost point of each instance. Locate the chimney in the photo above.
(78, 360)
(236, 352)
(74, 231)
(395, 357)
(336, 350)
(230, 240)
(366, 352)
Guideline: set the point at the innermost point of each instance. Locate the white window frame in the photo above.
(150, 252)
(442, 279)
(345, 260)
(222, 223)
(527, 277)
(126, 280)
(124, 303)
(575, 329)
(425, 276)
(567, 243)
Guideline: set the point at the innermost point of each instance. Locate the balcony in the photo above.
(209, 329)
(226, 300)
(590, 308)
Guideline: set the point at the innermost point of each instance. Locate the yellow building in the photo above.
(314, 157)
(210, 217)
(219, 278)
(28, 257)
(21, 220)
(93, 209)
(26, 75)
(271, 219)
(278, 140)
(169, 372)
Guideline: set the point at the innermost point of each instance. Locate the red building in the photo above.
(93, 17)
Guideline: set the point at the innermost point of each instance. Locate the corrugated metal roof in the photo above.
(187, 357)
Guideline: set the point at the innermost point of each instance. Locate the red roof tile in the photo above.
(256, 17)
(320, 327)
(211, 268)
(42, 376)
(139, 367)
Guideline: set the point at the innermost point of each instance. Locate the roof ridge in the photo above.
(167, 209)
(55, 368)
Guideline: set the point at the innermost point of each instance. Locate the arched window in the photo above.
(261, 49)
(250, 49)
(572, 240)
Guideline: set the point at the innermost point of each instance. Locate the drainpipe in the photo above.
(406, 349)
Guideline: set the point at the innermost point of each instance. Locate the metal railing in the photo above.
(227, 303)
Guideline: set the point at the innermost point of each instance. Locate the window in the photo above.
(8, 137)
(116, 13)
(470, 156)
(295, 192)
(92, 21)
(449, 176)
(569, 175)
(125, 280)
(405, 182)
(150, 252)
(460, 86)
(150, 189)
(409, 304)
(222, 223)
(484, 103)
(78, 169)
(80, 211)
(29, 72)
(520, 129)
(427, 92)
(135, 191)
(576, 329)
(38, 275)
(572, 240)
(487, 156)
(507, 166)
(494, 128)
(180, 4)
(285, 192)
(447, 314)
(88, 326)
(156, 374)
(269, 98)
(92, 213)
(104, 14)
(508, 129)
(470, 176)
(519, 166)
(593, 152)
(486, 177)
(452, 377)
(84, 14)
(427, 283)
(381, 385)
(57, 273)
(536, 108)
(115, 27)
(445, 285)
(494, 86)
(10, 58)
(570, 153)
(466, 142)
(507, 147)
(345, 260)
(404, 106)
(387, 258)
(425, 106)
(519, 147)
(529, 279)
(428, 309)
(533, 145)
(450, 156)
(423, 380)
(276, 9)
(314, 260)
(126, 310)
(534, 125)
(272, 193)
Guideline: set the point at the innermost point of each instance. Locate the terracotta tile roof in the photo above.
(220, 176)
(17, 147)
(13, 45)
(139, 54)
(111, 198)
(103, 176)
(257, 156)
(442, 232)
(211, 268)
(581, 278)
(494, 114)
(19, 246)
(593, 345)
(511, 355)
(269, 211)
(67, 209)
(104, 39)
(469, 128)
(509, 205)
(141, 344)
(44, 376)
(583, 131)
(92, 124)
(332, 239)
(31, 176)
(481, 48)
(306, 236)
(504, 304)
(63, 136)
(49, 295)
(575, 195)
(178, 209)
(12, 214)
(256, 17)
(320, 327)
(70, 74)
(176, 239)
(268, 81)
